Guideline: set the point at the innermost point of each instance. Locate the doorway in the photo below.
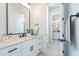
(56, 28)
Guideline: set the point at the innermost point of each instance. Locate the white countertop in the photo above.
(13, 41)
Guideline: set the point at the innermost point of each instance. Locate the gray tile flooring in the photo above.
(54, 49)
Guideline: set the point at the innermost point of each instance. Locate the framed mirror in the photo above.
(17, 17)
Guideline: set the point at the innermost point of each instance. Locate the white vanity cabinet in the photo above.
(14, 50)
(28, 47)
(31, 47)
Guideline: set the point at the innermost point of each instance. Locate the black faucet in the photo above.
(23, 35)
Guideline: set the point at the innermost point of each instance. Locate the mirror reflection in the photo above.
(18, 18)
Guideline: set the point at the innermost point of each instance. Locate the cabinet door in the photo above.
(36, 50)
(26, 48)
(31, 47)
(11, 51)
(37, 46)
(25, 51)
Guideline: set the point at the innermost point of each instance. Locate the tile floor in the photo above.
(54, 49)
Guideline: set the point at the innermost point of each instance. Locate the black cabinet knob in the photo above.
(31, 48)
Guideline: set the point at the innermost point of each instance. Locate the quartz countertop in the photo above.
(15, 40)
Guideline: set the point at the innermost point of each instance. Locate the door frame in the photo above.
(48, 21)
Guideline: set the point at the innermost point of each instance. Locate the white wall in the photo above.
(39, 15)
(74, 8)
(2, 19)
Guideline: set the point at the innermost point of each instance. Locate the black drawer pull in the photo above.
(39, 49)
(31, 48)
(12, 50)
(58, 31)
(39, 38)
(39, 43)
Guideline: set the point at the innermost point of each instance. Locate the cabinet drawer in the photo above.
(31, 47)
(26, 44)
(30, 42)
(39, 40)
(26, 51)
(37, 49)
(26, 48)
(12, 50)
(36, 40)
